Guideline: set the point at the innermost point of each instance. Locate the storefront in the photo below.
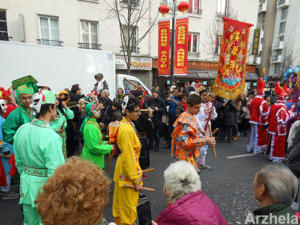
(200, 71)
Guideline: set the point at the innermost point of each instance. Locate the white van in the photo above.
(61, 67)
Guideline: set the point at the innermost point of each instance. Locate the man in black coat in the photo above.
(158, 106)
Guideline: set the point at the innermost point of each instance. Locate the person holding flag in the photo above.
(203, 118)
(259, 110)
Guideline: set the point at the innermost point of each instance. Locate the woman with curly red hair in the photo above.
(75, 194)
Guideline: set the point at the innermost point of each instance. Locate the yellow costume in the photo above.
(127, 171)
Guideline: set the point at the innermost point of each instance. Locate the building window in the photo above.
(222, 8)
(282, 27)
(281, 38)
(195, 6)
(218, 44)
(89, 35)
(130, 34)
(132, 2)
(284, 13)
(194, 43)
(277, 69)
(49, 31)
(3, 26)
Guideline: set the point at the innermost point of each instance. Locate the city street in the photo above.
(228, 184)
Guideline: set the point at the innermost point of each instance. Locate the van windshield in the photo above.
(131, 85)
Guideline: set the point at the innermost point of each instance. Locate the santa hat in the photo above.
(260, 86)
(279, 91)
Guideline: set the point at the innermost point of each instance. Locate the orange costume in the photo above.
(186, 140)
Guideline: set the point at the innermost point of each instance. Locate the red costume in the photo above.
(278, 118)
(259, 110)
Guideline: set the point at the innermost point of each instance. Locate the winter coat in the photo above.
(229, 114)
(283, 212)
(193, 209)
(159, 103)
(293, 157)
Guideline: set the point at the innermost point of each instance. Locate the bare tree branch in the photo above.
(129, 18)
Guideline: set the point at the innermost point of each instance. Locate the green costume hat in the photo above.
(25, 85)
(42, 98)
(89, 112)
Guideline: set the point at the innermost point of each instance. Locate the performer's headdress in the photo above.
(90, 110)
(25, 85)
(260, 86)
(42, 98)
(279, 92)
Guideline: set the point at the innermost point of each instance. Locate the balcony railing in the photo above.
(194, 54)
(262, 8)
(278, 45)
(283, 3)
(95, 46)
(196, 11)
(50, 42)
(277, 58)
(4, 36)
(133, 3)
(134, 48)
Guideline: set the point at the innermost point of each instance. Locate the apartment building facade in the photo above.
(278, 46)
(286, 44)
(92, 24)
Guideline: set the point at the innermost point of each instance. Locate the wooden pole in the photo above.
(143, 188)
(148, 170)
(214, 147)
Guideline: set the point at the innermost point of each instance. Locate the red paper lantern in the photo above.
(183, 6)
(163, 9)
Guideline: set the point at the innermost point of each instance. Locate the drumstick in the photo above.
(215, 131)
(214, 147)
(148, 170)
(143, 188)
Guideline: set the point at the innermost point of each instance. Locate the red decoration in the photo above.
(164, 47)
(183, 6)
(230, 80)
(163, 9)
(4, 94)
(181, 45)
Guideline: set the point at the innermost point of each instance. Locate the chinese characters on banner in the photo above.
(230, 80)
(181, 45)
(164, 47)
(256, 41)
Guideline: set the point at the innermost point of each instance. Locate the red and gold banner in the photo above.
(181, 45)
(230, 80)
(164, 47)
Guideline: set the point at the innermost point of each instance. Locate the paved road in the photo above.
(228, 184)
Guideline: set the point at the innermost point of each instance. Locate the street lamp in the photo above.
(182, 6)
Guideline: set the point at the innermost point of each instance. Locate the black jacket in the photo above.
(229, 113)
(160, 104)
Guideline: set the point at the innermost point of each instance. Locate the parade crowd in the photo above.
(57, 145)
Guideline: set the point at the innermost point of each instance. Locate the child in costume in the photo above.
(187, 137)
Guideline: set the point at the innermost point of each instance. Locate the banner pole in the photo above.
(172, 44)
